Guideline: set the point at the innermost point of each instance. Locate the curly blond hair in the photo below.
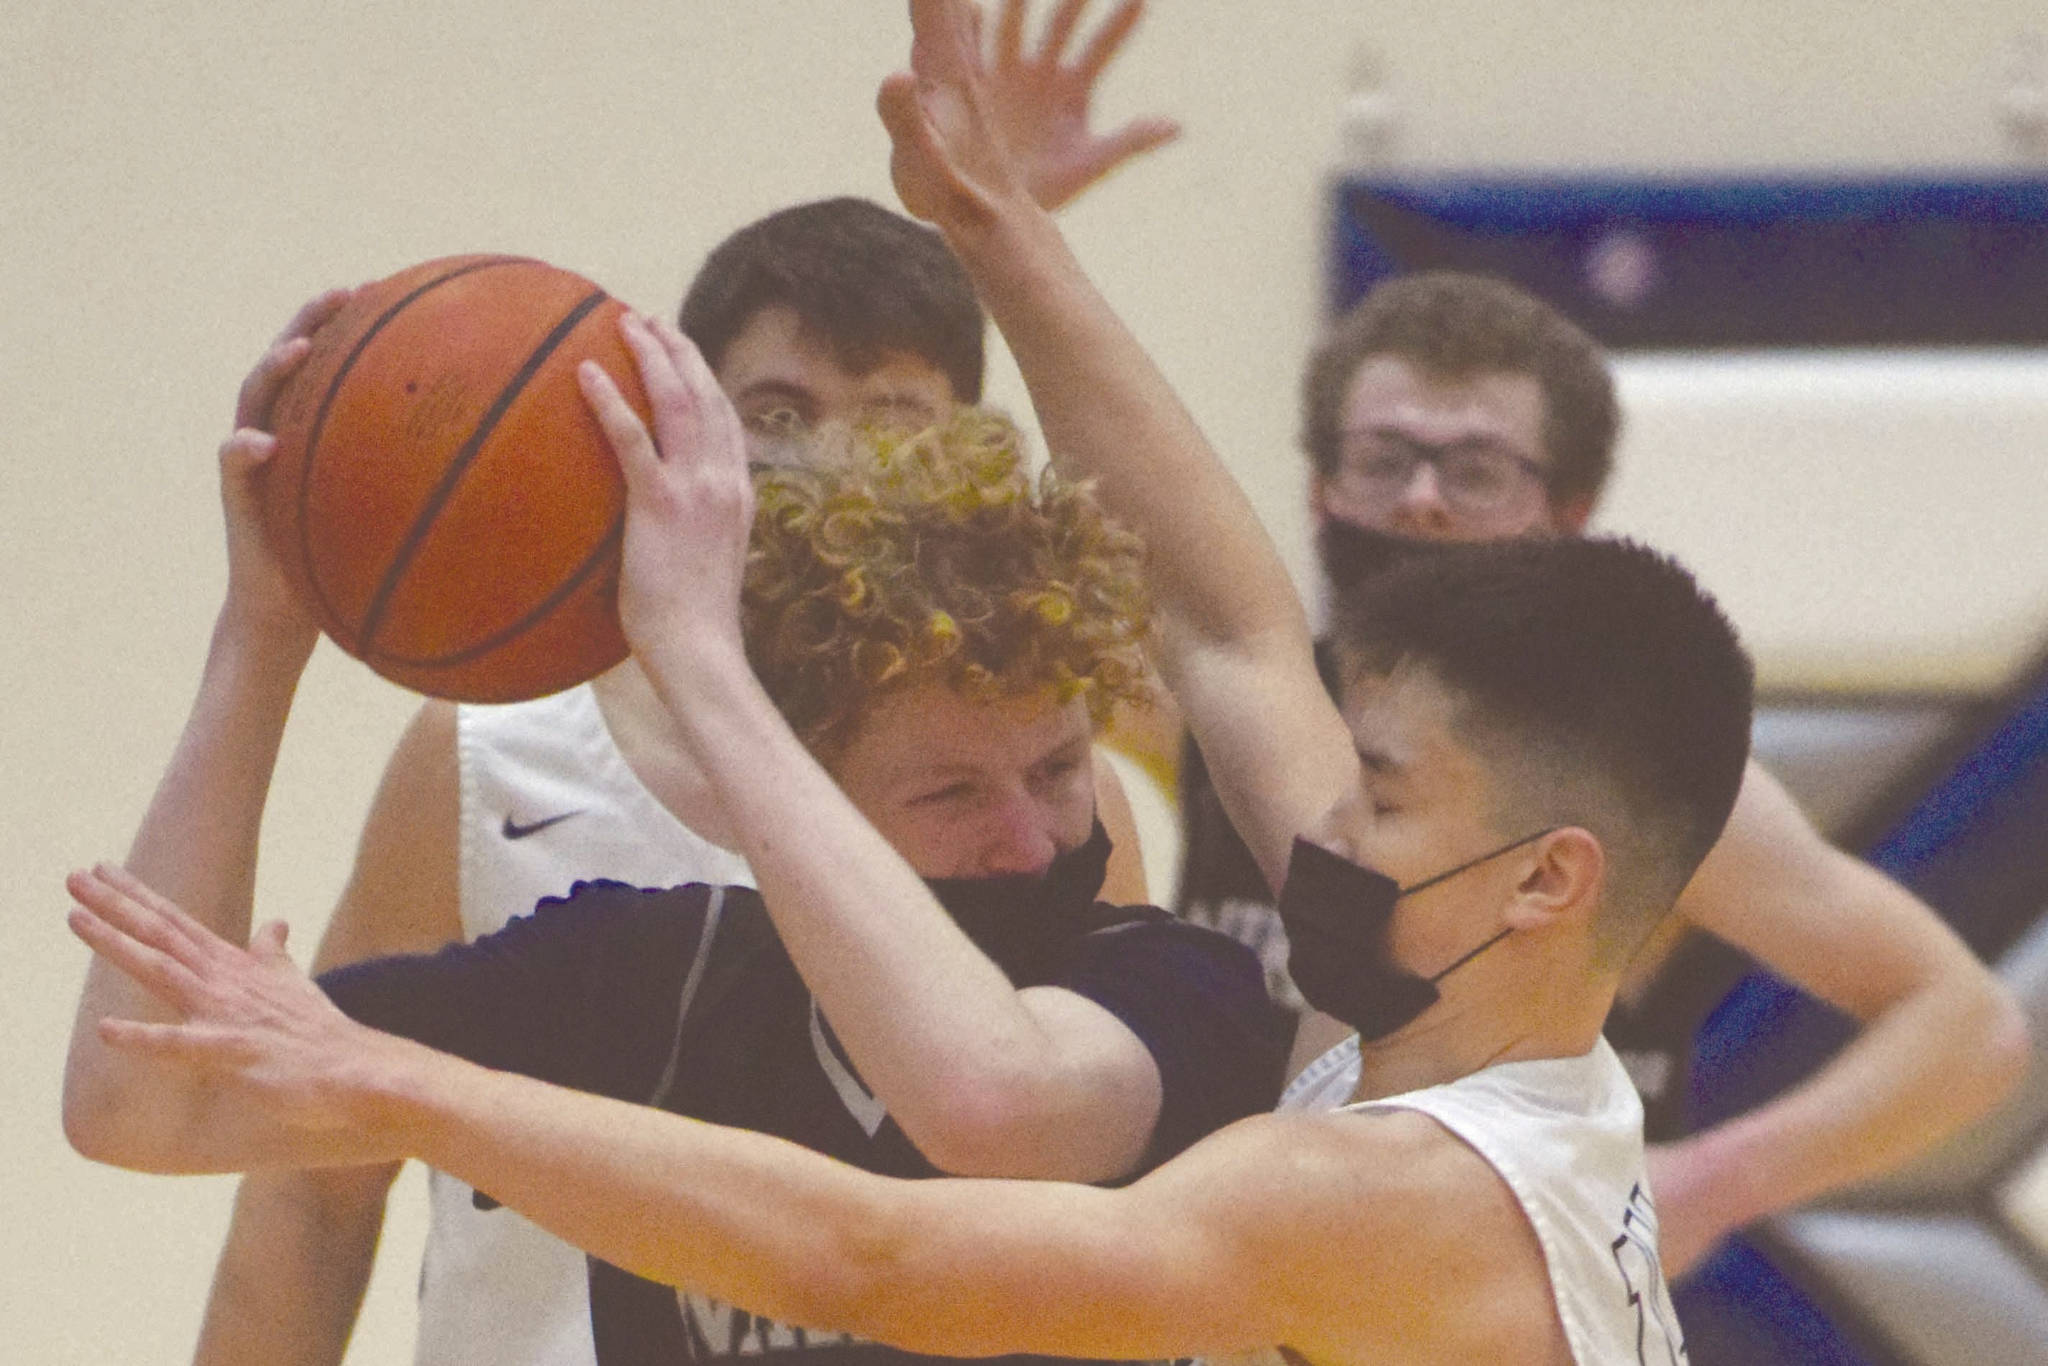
(895, 559)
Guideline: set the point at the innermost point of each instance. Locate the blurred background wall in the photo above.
(176, 176)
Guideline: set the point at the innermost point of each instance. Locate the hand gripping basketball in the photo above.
(440, 495)
(689, 497)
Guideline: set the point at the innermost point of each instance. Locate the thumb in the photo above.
(268, 941)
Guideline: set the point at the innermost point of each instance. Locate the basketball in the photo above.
(441, 494)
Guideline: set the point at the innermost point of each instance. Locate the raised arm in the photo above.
(1941, 1041)
(982, 1077)
(1235, 641)
(198, 838)
(1040, 100)
(299, 1250)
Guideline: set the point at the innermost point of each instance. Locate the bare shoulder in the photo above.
(1422, 1244)
(402, 893)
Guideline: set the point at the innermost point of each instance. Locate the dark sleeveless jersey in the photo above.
(589, 992)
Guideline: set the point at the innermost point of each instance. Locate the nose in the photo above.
(1020, 837)
(1421, 505)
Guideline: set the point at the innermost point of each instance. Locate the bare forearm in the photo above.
(933, 1025)
(291, 1278)
(196, 844)
(956, 1267)
(953, 1267)
(1921, 1073)
(752, 1220)
(197, 840)
(1941, 1039)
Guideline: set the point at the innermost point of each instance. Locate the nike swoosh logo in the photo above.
(515, 831)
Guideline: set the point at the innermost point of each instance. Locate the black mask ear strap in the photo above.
(1500, 934)
(1475, 862)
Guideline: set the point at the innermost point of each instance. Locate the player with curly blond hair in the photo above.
(913, 649)
(906, 557)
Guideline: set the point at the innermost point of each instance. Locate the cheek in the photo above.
(1335, 505)
(924, 836)
(1073, 808)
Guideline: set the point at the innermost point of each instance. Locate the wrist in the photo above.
(271, 639)
(998, 229)
(710, 692)
(396, 1095)
(1722, 1176)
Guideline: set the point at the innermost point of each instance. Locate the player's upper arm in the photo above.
(1278, 752)
(1827, 921)
(1282, 1230)
(403, 894)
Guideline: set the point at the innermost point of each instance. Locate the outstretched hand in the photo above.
(947, 158)
(689, 496)
(244, 1018)
(258, 589)
(1039, 100)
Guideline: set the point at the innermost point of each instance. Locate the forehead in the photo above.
(775, 347)
(1391, 393)
(931, 726)
(1405, 726)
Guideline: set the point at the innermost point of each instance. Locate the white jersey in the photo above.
(547, 800)
(1566, 1134)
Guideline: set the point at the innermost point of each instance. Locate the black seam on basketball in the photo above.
(597, 560)
(423, 523)
(319, 425)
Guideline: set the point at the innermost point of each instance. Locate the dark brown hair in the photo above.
(866, 281)
(1455, 324)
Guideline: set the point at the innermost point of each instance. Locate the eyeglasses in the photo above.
(1474, 477)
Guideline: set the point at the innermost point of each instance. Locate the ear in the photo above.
(1571, 515)
(1563, 883)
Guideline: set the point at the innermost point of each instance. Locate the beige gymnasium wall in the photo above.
(175, 176)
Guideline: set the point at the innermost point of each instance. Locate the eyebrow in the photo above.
(776, 388)
(1479, 442)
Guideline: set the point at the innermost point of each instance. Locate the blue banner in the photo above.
(1730, 262)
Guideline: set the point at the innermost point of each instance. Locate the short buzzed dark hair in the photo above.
(1455, 324)
(1594, 680)
(864, 280)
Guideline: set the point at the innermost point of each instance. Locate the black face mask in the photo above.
(1336, 914)
(1352, 554)
(1009, 915)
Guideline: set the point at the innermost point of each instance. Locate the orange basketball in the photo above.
(441, 492)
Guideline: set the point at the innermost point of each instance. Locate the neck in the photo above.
(652, 745)
(1495, 1017)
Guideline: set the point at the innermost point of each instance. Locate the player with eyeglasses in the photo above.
(1453, 407)
(1378, 467)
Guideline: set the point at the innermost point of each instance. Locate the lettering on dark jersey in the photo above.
(716, 1329)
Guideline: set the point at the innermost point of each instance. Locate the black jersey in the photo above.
(606, 991)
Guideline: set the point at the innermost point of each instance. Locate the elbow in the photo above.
(1032, 1132)
(985, 1127)
(104, 1122)
(1015, 1124)
(2007, 1048)
(93, 1125)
